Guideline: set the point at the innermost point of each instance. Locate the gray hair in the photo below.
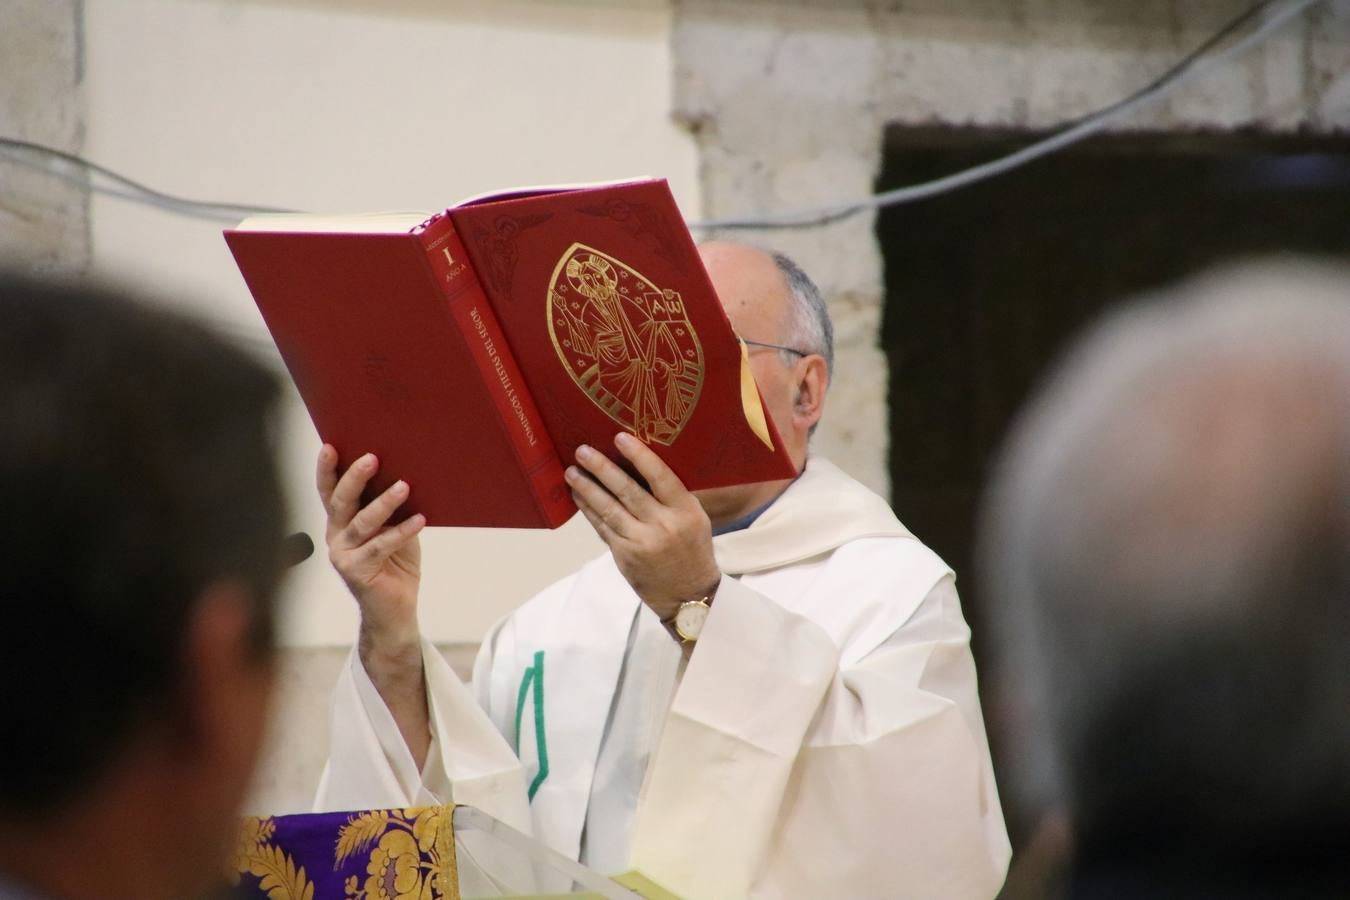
(1166, 553)
(809, 327)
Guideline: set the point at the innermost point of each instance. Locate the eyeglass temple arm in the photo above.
(774, 346)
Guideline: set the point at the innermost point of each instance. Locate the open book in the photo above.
(474, 350)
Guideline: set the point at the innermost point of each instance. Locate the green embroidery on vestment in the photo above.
(534, 678)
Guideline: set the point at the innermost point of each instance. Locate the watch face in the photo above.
(690, 618)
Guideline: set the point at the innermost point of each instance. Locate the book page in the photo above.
(356, 223)
(518, 193)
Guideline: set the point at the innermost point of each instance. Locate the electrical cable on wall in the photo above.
(99, 179)
(60, 164)
(1194, 65)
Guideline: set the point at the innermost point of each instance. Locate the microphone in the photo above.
(295, 549)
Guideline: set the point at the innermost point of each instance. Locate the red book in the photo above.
(474, 350)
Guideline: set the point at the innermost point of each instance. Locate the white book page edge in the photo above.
(401, 222)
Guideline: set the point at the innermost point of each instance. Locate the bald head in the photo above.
(770, 284)
(752, 289)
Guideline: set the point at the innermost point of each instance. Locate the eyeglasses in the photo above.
(751, 343)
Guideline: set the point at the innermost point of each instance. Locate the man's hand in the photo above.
(381, 565)
(662, 540)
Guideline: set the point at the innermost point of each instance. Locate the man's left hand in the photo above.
(662, 539)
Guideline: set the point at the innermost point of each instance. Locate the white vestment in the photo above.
(824, 738)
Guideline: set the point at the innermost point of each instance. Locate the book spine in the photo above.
(486, 342)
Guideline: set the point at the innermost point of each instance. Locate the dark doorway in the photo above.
(986, 284)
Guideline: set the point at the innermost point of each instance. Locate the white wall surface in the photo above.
(348, 106)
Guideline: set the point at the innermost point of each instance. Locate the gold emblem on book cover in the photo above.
(625, 342)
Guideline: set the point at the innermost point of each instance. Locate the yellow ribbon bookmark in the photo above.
(751, 404)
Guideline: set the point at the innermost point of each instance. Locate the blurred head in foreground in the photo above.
(1167, 548)
(141, 536)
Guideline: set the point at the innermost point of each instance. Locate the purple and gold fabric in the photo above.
(393, 854)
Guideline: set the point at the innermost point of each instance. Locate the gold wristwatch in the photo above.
(687, 623)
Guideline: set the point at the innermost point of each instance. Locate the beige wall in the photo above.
(357, 106)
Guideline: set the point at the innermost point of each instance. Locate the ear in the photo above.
(813, 379)
(227, 680)
(217, 725)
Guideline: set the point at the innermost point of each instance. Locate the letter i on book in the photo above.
(473, 351)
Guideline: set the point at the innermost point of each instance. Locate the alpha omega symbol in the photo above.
(625, 342)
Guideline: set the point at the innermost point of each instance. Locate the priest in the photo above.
(764, 690)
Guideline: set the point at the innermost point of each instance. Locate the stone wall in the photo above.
(44, 221)
(790, 103)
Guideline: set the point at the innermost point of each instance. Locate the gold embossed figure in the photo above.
(625, 342)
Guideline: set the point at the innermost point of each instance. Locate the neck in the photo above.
(68, 858)
(724, 511)
(110, 842)
(726, 505)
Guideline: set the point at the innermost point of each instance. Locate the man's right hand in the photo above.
(381, 565)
